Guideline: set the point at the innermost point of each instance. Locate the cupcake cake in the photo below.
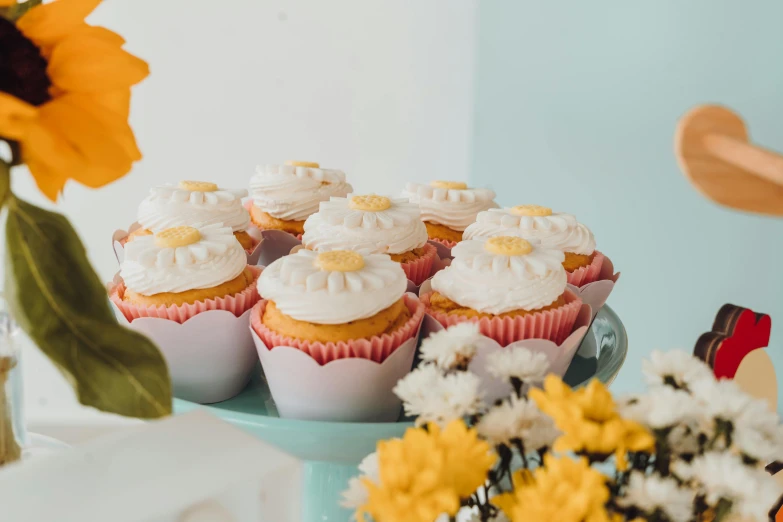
(448, 207)
(373, 225)
(194, 203)
(336, 304)
(284, 196)
(181, 271)
(555, 230)
(515, 289)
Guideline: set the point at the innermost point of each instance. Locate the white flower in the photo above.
(661, 407)
(650, 493)
(519, 363)
(357, 495)
(518, 418)
(500, 517)
(684, 440)
(676, 367)
(722, 475)
(454, 345)
(722, 399)
(434, 397)
(757, 432)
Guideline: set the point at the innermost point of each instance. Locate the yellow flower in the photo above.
(65, 96)
(468, 459)
(589, 421)
(426, 473)
(565, 490)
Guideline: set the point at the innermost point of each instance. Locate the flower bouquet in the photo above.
(690, 449)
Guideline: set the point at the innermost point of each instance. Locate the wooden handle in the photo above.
(756, 160)
(715, 154)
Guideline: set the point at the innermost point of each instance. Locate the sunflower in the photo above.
(65, 96)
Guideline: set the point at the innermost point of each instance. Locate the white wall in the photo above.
(382, 90)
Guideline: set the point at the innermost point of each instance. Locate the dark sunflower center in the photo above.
(22, 68)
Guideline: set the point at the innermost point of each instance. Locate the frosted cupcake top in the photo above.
(502, 274)
(334, 287)
(553, 229)
(293, 191)
(182, 258)
(449, 203)
(193, 203)
(368, 224)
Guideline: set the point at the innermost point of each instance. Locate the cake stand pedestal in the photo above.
(331, 451)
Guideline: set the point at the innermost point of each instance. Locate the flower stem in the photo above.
(9, 449)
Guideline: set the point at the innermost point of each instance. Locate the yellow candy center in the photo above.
(449, 185)
(531, 210)
(308, 164)
(369, 203)
(177, 237)
(508, 246)
(198, 186)
(340, 261)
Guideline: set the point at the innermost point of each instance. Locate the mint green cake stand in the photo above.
(331, 450)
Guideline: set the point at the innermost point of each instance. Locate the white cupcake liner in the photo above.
(596, 293)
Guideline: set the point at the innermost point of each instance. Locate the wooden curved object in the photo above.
(713, 151)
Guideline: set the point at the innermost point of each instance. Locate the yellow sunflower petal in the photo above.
(15, 116)
(111, 110)
(85, 63)
(4, 3)
(48, 23)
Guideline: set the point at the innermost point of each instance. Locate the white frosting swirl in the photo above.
(302, 290)
(496, 284)
(293, 193)
(454, 208)
(149, 269)
(169, 206)
(336, 226)
(558, 230)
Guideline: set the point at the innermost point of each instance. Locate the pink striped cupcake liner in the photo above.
(419, 270)
(377, 348)
(555, 325)
(587, 274)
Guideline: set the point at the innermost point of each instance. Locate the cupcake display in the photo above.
(194, 203)
(373, 225)
(448, 207)
(349, 314)
(513, 288)
(554, 230)
(190, 290)
(284, 196)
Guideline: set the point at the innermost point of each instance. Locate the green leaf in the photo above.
(15, 12)
(59, 301)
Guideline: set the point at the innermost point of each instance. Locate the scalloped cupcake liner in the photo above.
(554, 325)
(420, 269)
(587, 274)
(445, 242)
(377, 348)
(237, 303)
(249, 205)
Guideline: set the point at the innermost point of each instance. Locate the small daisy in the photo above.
(518, 363)
(518, 418)
(357, 495)
(661, 408)
(368, 467)
(722, 399)
(675, 368)
(433, 397)
(651, 493)
(452, 347)
(722, 475)
(757, 432)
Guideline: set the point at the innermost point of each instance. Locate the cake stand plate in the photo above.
(332, 450)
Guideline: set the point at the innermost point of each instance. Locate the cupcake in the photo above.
(191, 291)
(349, 314)
(194, 203)
(284, 196)
(515, 289)
(373, 225)
(448, 207)
(181, 271)
(554, 230)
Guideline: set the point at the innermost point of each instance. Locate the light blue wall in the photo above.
(576, 108)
